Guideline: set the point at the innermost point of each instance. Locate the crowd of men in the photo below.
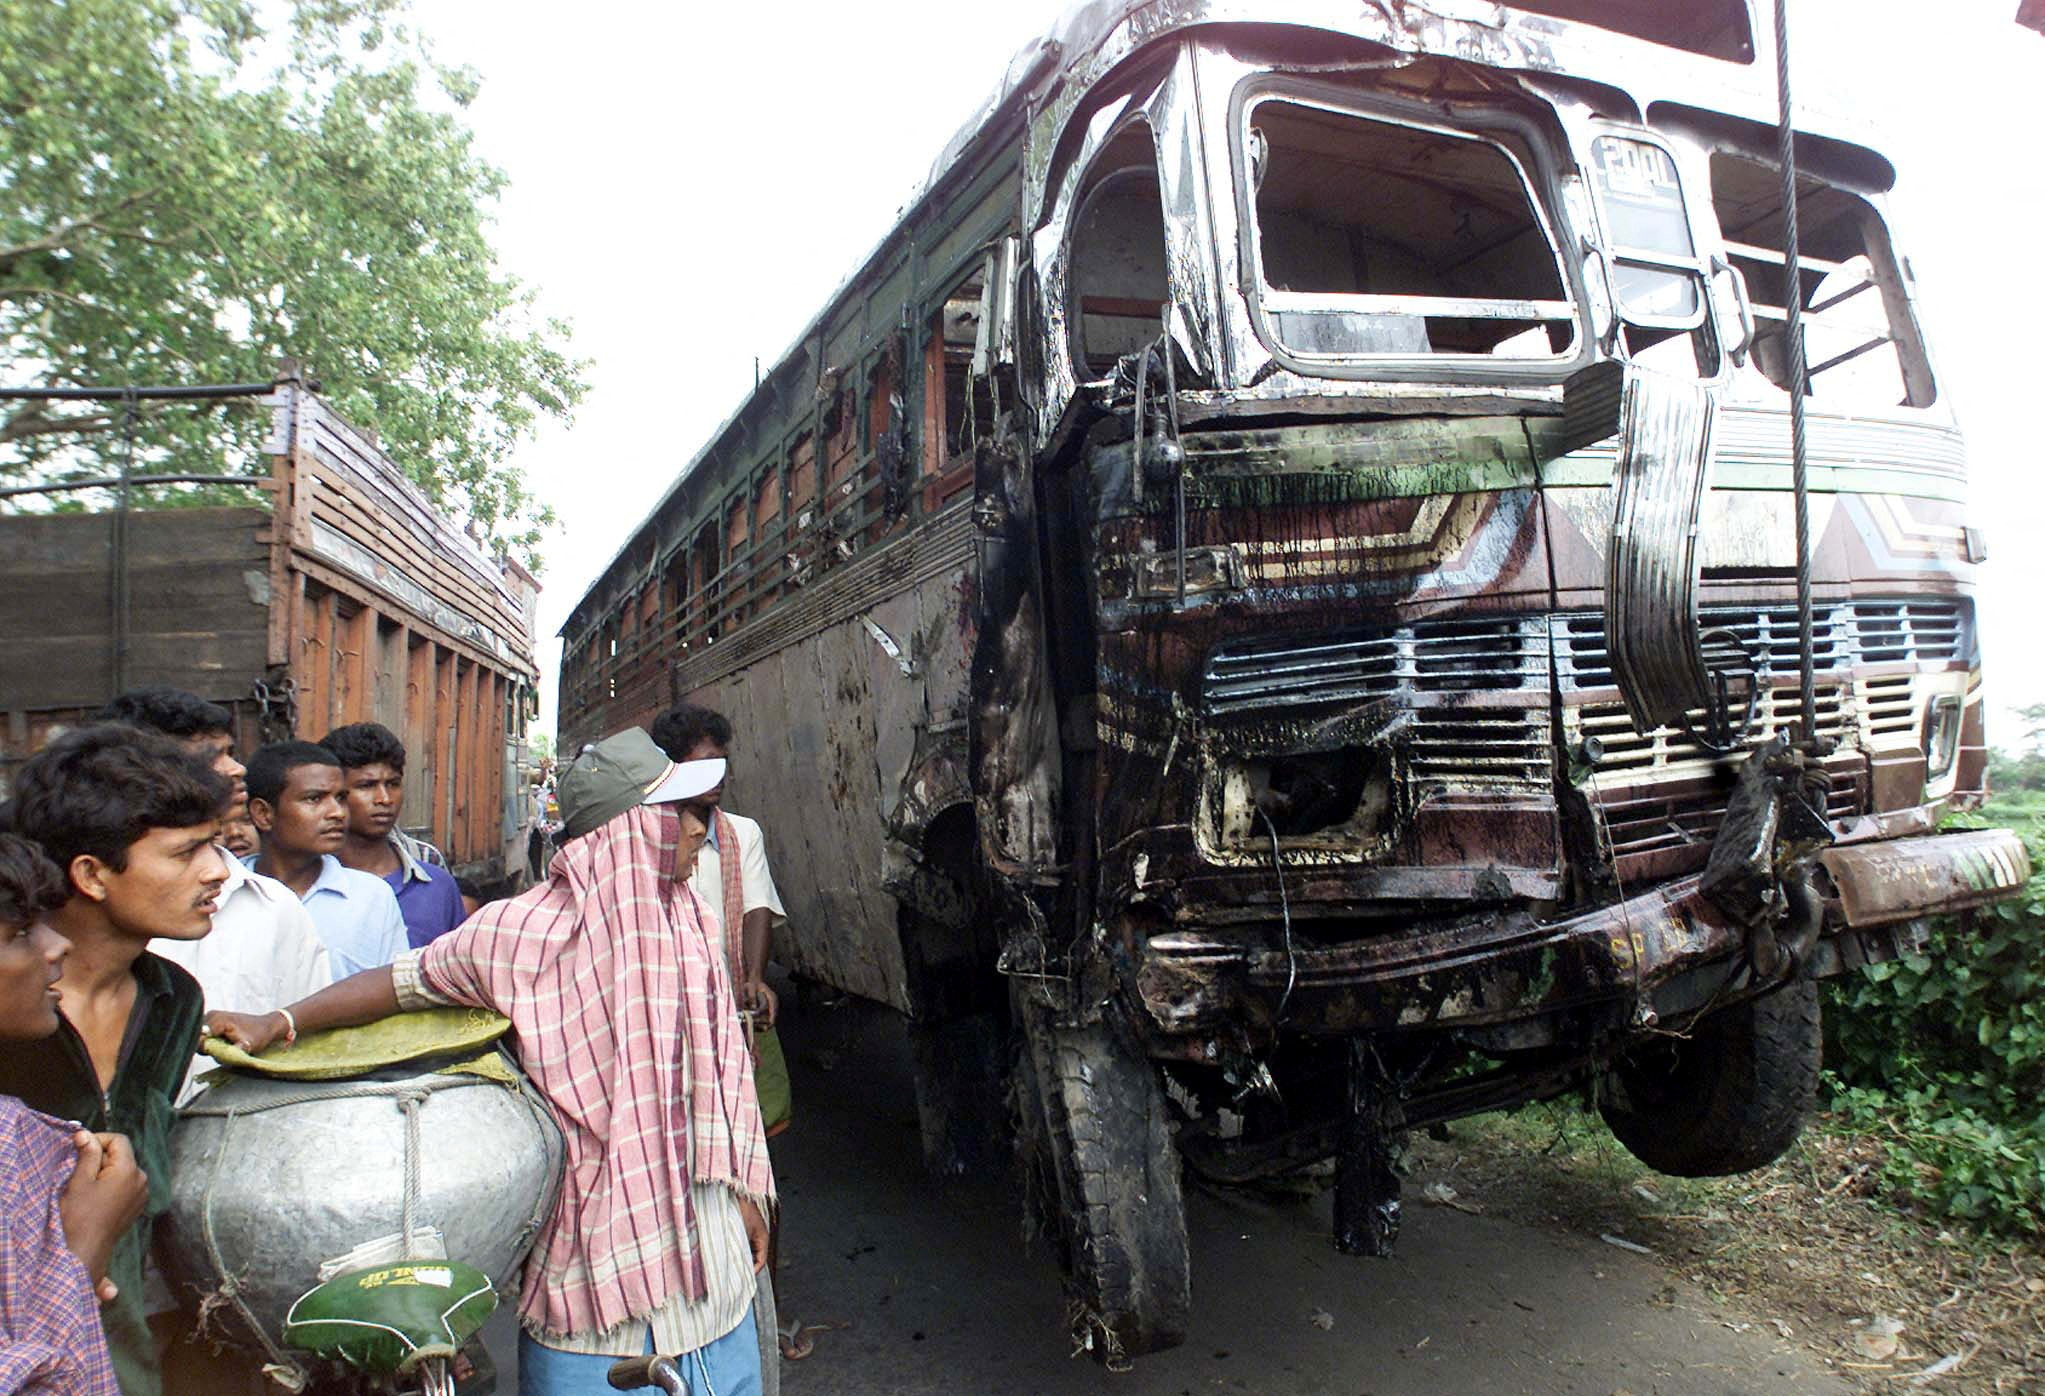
(153, 887)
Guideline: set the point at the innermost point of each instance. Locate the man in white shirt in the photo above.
(301, 816)
(263, 950)
(691, 733)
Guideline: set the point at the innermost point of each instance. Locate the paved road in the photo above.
(939, 1294)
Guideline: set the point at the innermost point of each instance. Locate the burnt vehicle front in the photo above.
(1414, 605)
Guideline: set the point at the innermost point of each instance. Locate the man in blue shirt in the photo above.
(301, 817)
(373, 782)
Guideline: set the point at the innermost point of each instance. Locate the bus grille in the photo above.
(1842, 635)
(1454, 656)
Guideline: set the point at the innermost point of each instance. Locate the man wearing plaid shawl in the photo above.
(623, 1014)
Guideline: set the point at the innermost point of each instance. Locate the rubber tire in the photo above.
(1094, 1140)
(1730, 1098)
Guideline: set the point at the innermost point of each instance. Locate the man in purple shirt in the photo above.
(373, 780)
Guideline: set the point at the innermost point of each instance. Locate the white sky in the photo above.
(688, 185)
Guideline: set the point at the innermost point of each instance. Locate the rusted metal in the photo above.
(1882, 883)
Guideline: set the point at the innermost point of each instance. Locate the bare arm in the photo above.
(358, 999)
(757, 933)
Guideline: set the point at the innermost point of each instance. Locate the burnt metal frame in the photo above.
(1544, 195)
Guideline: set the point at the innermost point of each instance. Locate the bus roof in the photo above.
(1557, 37)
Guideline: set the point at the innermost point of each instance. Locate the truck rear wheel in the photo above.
(1729, 1098)
(1095, 1146)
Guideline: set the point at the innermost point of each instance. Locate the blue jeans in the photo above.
(730, 1366)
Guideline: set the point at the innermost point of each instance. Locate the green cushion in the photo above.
(341, 1052)
(385, 1319)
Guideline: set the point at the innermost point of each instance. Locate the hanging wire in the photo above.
(1792, 298)
(1285, 916)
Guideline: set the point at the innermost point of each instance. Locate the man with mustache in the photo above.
(129, 819)
(263, 949)
(301, 815)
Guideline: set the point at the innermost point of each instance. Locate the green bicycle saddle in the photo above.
(387, 1319)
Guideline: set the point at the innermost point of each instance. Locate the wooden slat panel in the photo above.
(394, 498)
(422, 757)
(196, 576)
(316, 658)
(493, 762)
(327, 579)
(446, 688)
(339, 507)
(388, 674)
(477, 710)
(353, 638)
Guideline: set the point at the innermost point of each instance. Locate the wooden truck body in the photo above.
(339, 596)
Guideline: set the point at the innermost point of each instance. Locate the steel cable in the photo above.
(1792, 299)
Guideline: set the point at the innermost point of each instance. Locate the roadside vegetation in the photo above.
(1940, 1056)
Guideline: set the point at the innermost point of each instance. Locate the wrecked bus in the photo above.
(1269, 612)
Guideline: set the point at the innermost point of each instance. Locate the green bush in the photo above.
(1942, 1055)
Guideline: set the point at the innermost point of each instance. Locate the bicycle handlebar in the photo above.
(635, 1373)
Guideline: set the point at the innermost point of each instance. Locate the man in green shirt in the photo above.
(130, 818)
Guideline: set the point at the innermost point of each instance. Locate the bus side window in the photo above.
(674, 601)
(802, 467)
(958, 408)
(879, 500)
(736, 538)
(1861, 342)
(1117, 280)
(703, 624)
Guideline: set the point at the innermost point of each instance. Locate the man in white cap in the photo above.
(626, 1019)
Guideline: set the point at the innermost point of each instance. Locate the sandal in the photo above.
(796, 1343)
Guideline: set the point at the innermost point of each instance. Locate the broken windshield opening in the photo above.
(1383, 238)
(1117, 277)
(1861, 341)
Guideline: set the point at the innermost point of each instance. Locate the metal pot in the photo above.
(270, 1179)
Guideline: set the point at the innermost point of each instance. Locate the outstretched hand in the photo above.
(252, 1033)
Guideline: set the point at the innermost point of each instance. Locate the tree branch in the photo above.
(60, 239)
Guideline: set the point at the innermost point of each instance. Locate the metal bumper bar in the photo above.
(1882, 883)
(1501, 967)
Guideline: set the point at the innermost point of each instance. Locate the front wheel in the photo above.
(1095, 1142)
(1728, 1098)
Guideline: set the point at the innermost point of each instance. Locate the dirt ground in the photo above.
(1889, 1302)
(918, 1286)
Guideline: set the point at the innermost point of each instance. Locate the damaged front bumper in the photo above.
(1655, 954)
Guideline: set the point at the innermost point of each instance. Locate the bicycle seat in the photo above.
(389, 1318)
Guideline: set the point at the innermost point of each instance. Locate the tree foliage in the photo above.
(187, 196)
